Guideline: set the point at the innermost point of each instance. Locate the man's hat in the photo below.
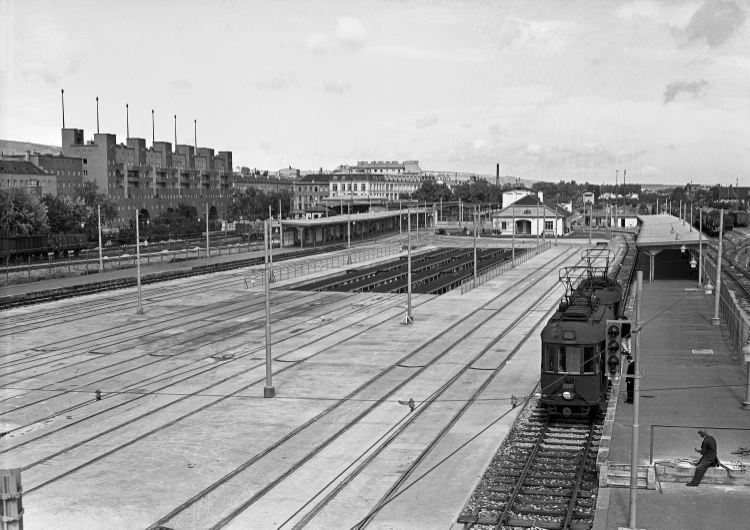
(702, 431)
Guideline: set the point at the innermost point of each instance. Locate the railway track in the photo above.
(548, 480)
(41, 477)
(732, 267)
(9, 302)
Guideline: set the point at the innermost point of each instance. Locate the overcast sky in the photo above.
(550, 90)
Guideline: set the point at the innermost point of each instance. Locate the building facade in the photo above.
(152, 179)
(24, 174)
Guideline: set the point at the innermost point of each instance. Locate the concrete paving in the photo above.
(682, 385)
(183, 437)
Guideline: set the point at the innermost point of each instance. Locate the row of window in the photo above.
(571, 359)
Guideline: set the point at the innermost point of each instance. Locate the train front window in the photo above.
(548, 361)
(569, 359)
(590, 358)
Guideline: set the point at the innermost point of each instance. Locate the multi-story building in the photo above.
(152, 179)
(309, 191)
(24, 174)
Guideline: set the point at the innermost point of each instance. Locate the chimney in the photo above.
(541, 195)
(28, 155)
(497, 175)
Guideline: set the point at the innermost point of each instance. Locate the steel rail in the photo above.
(446, 332)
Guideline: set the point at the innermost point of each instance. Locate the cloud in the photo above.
(496, 130)
(182, 84)
(479, 144)
(351, 33)
(691, 87)
(280, 81)
(336, 87)
(714, 23)
(430, 120)
(318, 43)
(649, 170)
(520, 32)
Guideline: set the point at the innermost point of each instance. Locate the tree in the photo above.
(92, 197)
(433, 192)
(478, 191)
(252, 203)
(66, 214)
(21, 213)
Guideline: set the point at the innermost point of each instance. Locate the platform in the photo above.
(682, 384)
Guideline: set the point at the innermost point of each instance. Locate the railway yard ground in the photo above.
(374, 423)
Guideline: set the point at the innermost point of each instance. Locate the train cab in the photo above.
(574, 372)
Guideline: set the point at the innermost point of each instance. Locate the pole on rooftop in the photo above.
(127, 122)
(717, 286)
(62, 97)
(268, 391)
(636, 400)
(97, 114)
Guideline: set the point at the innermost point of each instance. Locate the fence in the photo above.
(61, 267)
(469, 283)
(257, 276)
(737, 321)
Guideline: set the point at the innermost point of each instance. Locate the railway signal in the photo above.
(618, 338)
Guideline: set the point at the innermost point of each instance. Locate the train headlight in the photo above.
(567, 395)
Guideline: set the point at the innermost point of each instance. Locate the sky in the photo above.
(550, 89)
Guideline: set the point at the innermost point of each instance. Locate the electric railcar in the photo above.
(576, 342)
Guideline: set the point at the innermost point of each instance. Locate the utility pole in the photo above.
(475, 244)
(591, 219)
(281, 232)
(208, 251)
(408, 320)
(99, 212)
(715, 320)
(348, 234)
(513, 235)
(700, 247)
(138, 311)
(268, 391)
(636, 400)
(270, 246)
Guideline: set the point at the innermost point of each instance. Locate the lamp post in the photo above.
(636, 400)
(746, 355)
(348, 235)
(139, 310)
(513, 235)
(715, 320)
(208, 251)
(270, 246)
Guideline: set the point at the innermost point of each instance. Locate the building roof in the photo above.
(532, 200)
(663, 230)
(20, 167)
(318, 178)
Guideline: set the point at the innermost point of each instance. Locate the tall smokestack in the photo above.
(153, 129)
(195, 131)
(127, 122)
(497, 175)
(175, 132)
(97, 115)
(62, 95)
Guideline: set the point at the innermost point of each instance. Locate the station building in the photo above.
(531, 215)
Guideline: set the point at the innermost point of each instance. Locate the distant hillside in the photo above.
(9, 147)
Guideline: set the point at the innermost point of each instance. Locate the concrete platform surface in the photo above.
(183, 438)
(683, 385)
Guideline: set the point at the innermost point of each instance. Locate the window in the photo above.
(548, 225)
(504, 225)
(527, 212)
(569, 359)
(590, 357)
(548, 360)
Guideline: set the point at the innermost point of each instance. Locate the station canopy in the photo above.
(661, 231)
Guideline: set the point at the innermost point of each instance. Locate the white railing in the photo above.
(469, 283)
(256, 276)
(737, 321)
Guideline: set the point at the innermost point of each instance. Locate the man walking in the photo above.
(708, 458)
